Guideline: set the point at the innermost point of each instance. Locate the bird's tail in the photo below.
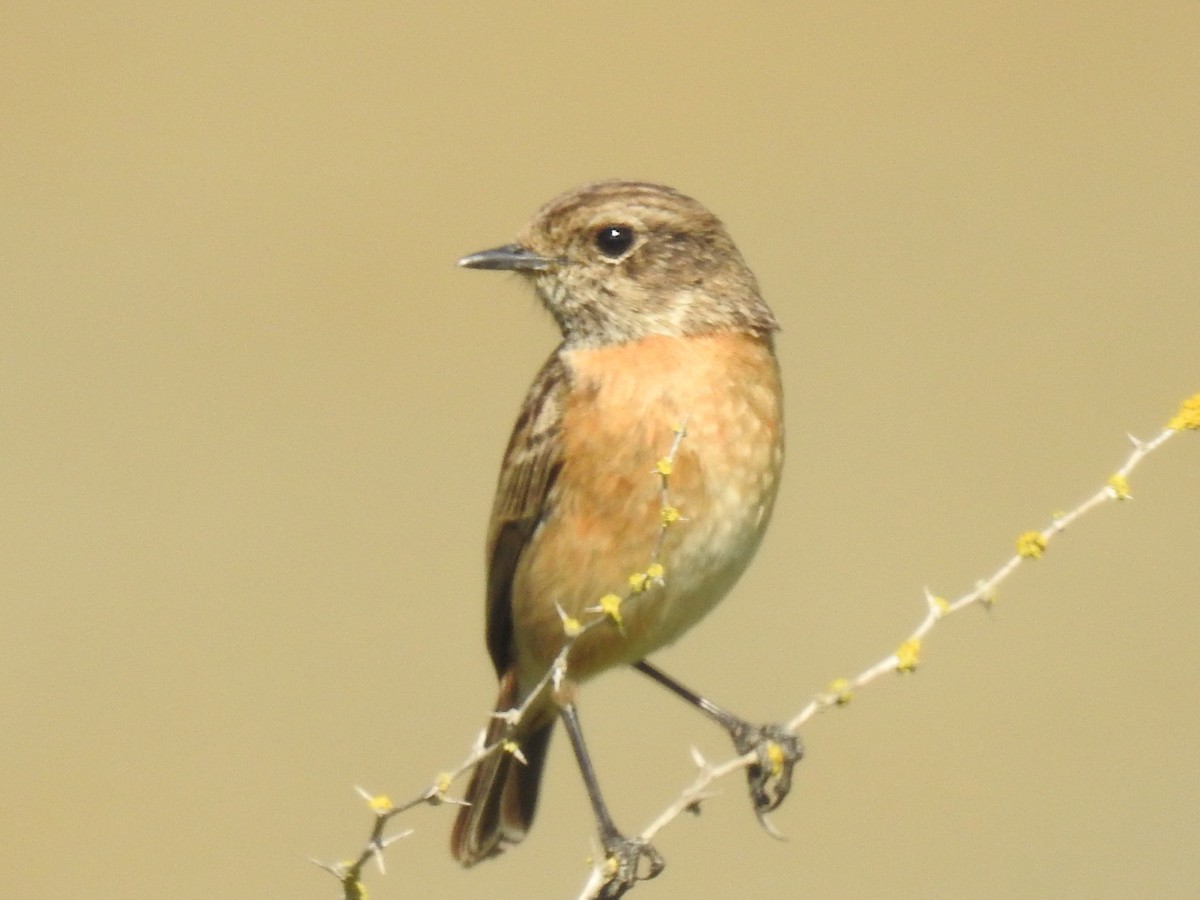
(503, 791)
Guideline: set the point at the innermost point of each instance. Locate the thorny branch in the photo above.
(905, 658)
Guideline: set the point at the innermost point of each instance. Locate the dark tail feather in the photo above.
(503, 791)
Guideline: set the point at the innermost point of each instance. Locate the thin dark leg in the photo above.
(778, 750)
(722, 717)
(604, 821)
(627, 853)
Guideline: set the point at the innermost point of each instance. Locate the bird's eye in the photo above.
(614, 241)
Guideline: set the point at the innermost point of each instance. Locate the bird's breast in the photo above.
(708, 405)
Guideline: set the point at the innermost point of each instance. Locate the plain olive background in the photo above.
(251, 415)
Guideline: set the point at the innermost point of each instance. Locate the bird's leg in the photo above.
(777, 749)
(625, 856)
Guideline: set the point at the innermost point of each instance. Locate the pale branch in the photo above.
(1030, 546)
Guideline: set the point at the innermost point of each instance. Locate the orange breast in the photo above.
(605, 509)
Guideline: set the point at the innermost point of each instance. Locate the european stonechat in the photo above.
(662, 323)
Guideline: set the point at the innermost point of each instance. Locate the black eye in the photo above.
(614, 240)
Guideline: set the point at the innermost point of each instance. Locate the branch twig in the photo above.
(905, 658)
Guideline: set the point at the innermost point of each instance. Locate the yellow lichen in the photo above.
(1188, 417)
(610, 605)
(908, 655)
(1119, 486)
(841, 690)
(380, 804)
(1031, 545)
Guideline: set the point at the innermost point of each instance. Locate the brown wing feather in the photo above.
(531, 464)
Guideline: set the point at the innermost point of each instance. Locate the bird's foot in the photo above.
(628, 861)
(770, 776)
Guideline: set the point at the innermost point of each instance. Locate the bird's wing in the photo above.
(531, 465)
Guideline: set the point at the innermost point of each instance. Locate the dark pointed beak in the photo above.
(510, 257)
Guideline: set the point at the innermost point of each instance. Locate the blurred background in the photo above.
(251, 416)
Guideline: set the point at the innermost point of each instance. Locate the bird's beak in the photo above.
(511, 257)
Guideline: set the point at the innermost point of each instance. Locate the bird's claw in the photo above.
(770, 775)
(629, 860)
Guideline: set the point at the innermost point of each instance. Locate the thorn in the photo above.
(388, 841)
(938, 606)
(337, 870)
(480, 741)
(515, 749)
(572, 627)
(984, 595)
(377, 852)
(509, 717)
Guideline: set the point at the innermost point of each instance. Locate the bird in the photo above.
(667, 352)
